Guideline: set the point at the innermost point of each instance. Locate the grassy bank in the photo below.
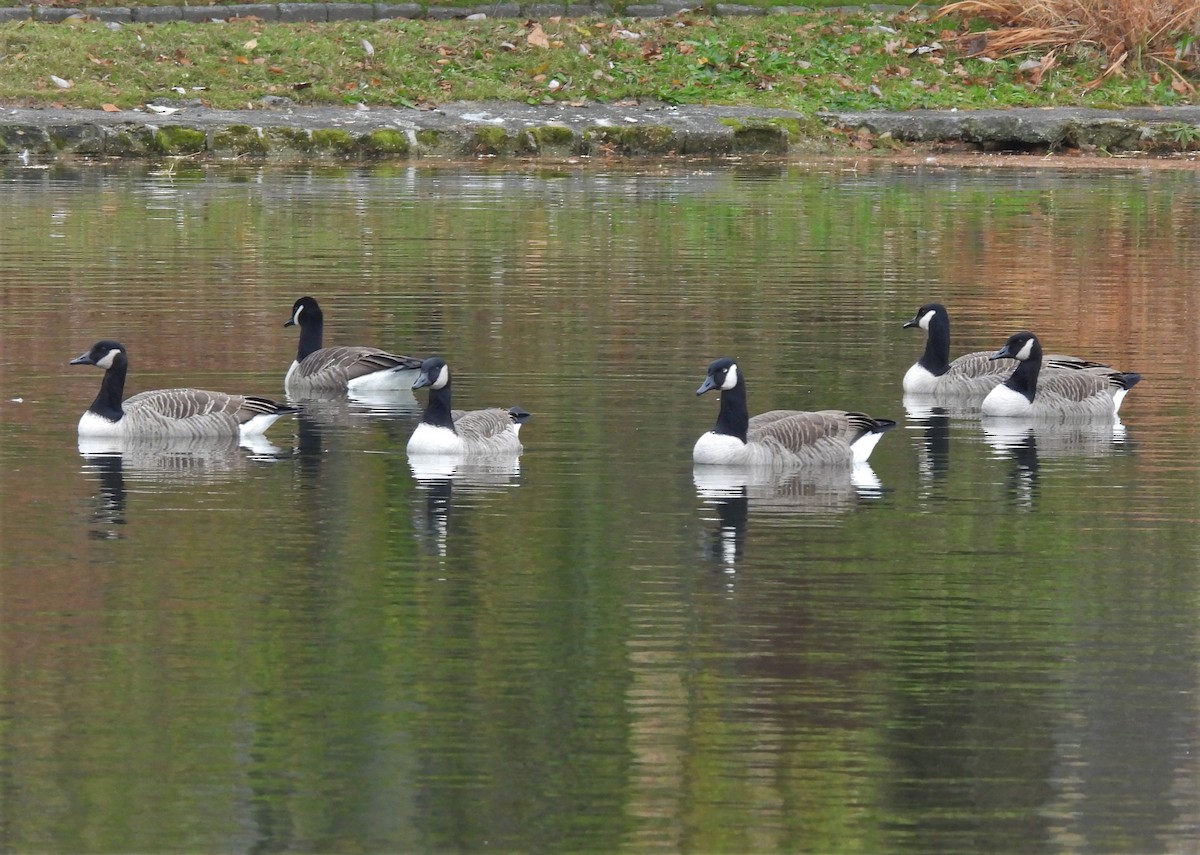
(821, 60)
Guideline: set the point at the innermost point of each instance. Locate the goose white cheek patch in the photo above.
(296, 317)
(731, 377)
(925, 320)
(443, 378)
(1026, 350)
(107, 361)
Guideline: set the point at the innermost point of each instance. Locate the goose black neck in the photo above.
(733, 419)
(108, 401)
(936, 358)
(1024, 378)
(437, 411)
(312, 333)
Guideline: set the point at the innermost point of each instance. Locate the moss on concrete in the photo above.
(559, 135)
(493, 140)
(760, 136)
(634, 141)
(385, 141)
(125, 142)
(1116, 135)
(429, 139)
(779, 135)
(240, 140)
(333, 141)
(177, 140)
(552, 140)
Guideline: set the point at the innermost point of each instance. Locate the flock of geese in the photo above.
(1047, 387)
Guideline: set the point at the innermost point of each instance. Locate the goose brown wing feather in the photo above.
(190, 409)
(1078, 385)
(173, 405)
(349, 363)
(186, 403)
(1058, 360)
(794, 430)
(979, 364)
(481, 426)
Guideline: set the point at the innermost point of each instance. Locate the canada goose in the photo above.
(780, 437)
(340, 369)
(1059, 394)
(971, 375)
(167, 412)
(446, 431)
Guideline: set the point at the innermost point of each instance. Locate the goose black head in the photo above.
(103, 354)
(304, 311)
(1020, 346)
(722, 374)
(925, 316)
(434, 373)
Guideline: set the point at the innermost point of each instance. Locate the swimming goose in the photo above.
(446, 431)
(167, 412)
(780, 437)
(971, 375)
(344, 368)
(1054, 393)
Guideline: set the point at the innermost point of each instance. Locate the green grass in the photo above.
(827, 60)
(618, 6)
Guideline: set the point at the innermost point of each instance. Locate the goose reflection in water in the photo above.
(381, 404)
(1027, 443)
(162, 461)
(327, 418)
(440, 477)
(931, 419)
(733, 491)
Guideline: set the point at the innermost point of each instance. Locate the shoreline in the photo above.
(560, 131)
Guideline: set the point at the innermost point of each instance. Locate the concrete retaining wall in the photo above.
(557, 131)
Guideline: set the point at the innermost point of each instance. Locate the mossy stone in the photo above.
(384, 141)
(760, 136)
(636, 141)
(178, 140)
(1115, 135)
(240, 140)
(122, 142)
(552, 140)
(285, 140)
(333, 141)
(18, 139)
(491, 139)
(85, 139)
(429, 138)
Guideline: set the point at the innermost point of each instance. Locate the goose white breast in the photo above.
(443, 430)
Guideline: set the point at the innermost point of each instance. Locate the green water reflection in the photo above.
(308, 648)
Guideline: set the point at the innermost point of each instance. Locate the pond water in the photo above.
(982, 643)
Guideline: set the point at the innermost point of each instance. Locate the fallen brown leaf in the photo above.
(537, 37)
(1047, 63)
